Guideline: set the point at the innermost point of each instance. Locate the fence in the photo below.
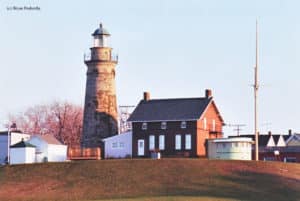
(84, 153)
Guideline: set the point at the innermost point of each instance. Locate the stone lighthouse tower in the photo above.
(100, 108)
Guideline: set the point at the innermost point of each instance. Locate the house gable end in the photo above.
(40, 144)
(281, 142)
(293, 141)
(271, 142)
(215, 108)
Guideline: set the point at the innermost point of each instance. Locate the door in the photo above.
(141, 147)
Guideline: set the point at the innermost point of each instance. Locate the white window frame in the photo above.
(183, 124)
(144, 126)
(213, 125)
(204, 123)
(121, 145)
(177, 142)
(114, 145)
(161, 142)
(151, 142)
(141, 152)
(188, 141)
(163, 125)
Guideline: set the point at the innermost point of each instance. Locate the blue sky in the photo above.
(169, 48)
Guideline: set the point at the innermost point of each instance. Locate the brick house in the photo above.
(176, 127)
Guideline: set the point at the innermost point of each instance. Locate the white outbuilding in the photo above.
(118, 146)
(21, 153)
(48, 148)
(238, 148)
(8, 138)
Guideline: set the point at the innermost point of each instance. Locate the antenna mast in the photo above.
(237, 127)
(255, 95)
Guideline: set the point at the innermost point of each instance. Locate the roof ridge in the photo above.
(167, 99)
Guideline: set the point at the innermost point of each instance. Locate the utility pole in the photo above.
(8, 145)
(255, 95)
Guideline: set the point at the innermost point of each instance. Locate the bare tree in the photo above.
(63, 120)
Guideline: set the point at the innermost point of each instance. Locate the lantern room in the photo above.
(101, 36)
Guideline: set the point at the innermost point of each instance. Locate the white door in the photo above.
(141, 147)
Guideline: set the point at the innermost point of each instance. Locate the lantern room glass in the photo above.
(100, 41)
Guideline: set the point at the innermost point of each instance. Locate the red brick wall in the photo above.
(208, 133)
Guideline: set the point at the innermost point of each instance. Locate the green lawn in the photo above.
(166, 179)
(173, 198)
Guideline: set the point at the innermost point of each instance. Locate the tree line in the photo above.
(63, 120)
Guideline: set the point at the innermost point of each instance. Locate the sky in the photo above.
(171, 48)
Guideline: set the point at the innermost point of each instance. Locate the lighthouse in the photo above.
(100, 107)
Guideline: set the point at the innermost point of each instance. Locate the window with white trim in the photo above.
(213, 125)
(114, 145)
(161, 142)
(183, 124)
(164, 125)
(178, 142)
(144, 126)
(121, 144)
(188, 141)
(204, 123)
(151, 142)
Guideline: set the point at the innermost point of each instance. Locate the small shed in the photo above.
(22, 152)
(8, 138)
(48, 148)
(118, 146)
(238, 148)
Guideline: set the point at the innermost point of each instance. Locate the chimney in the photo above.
(208, 93)
(146, 96)
(290, 131)
(269, 133)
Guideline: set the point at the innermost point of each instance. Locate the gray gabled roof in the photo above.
(6, 132)
(262, 139)
(22, 144)
(276, 137)
(179, 109)
(49, 139)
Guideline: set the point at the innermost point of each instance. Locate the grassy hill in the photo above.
(166, 179)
